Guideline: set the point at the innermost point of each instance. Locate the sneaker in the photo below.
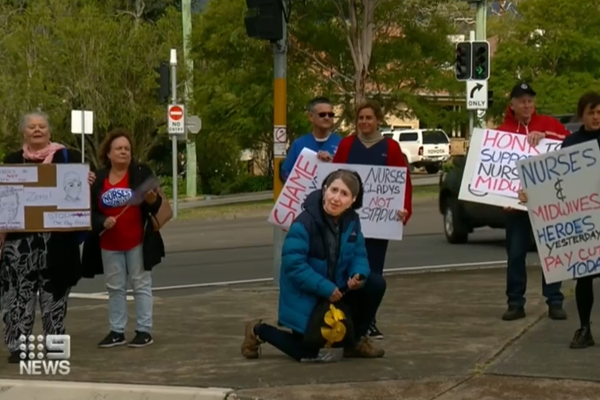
(513, 313)
(251, 344)
(141, 339)
(557, 313)
(375, 333)
(364, 349)
(582, 338)
(113, 339)
(15, 357)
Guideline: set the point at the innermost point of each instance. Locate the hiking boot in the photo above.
(364, 349)
(113, 339)
(251, 345)
(513, 313)
(141, 339)
(582, 338)
(556, 312)
(375, 333)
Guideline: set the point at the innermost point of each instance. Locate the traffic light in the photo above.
(462, 66)
(162, 81)
(265, 19)
(481, 61)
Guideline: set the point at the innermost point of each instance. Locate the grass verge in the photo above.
(262, 208)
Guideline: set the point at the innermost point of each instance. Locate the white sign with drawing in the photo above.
(18, 174)
(12, 210)
(67, 219)
(72, 186)
(39, 196)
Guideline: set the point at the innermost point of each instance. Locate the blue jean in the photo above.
(518, 242)
(118, 265)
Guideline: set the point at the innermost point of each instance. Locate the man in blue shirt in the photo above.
(321, 139)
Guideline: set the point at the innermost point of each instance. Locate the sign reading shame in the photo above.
(384, 189)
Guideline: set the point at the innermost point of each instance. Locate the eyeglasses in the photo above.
(326, 114)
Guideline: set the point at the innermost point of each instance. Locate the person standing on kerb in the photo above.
(321, 139)
(588, 112)
(369, 147)
(521, 118)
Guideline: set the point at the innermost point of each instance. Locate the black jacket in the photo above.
(153, 246)
(63, 259)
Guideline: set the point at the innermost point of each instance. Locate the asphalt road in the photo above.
(201, 252)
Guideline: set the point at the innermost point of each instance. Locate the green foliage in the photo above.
(249, 184)
(166, 184)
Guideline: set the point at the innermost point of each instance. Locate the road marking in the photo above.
(93, 296)
(422, 268)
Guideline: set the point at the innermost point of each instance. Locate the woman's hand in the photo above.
(110, 222)
(522, 197)
(403, 214)
(150, 197)
(336, 296)
(356, 282)
(91, 178)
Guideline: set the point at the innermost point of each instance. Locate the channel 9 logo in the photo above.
(45, 355)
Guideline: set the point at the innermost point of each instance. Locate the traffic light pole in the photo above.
(472, 114)
(481, 34)
(279, 122)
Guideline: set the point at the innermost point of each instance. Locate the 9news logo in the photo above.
(45, 355)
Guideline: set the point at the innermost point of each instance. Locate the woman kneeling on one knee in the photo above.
(324, 240)
(124, 243)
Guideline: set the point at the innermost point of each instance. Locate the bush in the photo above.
(166, 184)
(448, 165)
(249, 184)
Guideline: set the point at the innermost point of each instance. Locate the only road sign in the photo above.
(477, 95)
(176, 119)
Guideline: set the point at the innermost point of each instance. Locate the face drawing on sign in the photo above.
(72, 186)
(9, 204)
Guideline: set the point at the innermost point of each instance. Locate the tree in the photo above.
(553, 46)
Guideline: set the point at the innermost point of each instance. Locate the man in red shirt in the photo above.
(521, 118)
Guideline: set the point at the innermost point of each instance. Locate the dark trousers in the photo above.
(376, 251)
(362, 303)
(584, 296)
(518, 242)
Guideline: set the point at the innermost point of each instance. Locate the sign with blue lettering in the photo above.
(563, 193)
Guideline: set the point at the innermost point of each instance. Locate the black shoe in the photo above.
(374, 333)
(141, 339)
(513, 313)
(556, 312)
(15, 357)
(113, 339)
(582, 338)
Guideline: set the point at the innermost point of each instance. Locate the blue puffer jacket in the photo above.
(304, 262)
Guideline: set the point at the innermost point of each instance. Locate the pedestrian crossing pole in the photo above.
(279, 135)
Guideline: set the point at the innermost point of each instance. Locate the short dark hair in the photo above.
(108, 141)
(591, 99)
(316, 101)
(352, 180)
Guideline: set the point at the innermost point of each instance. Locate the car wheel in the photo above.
(455, 228)
(432, 169)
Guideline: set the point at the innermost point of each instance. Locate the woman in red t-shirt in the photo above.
(124, 243)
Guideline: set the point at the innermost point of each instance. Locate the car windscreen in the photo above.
(434, 137)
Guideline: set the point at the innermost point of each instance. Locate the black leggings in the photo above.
(584, 296)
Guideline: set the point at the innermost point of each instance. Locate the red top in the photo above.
(395, 158)
(540, 123)
(128, 231)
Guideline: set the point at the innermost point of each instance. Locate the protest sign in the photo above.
(300, 183)
(490, 174)
(564, 208)
(384, 189)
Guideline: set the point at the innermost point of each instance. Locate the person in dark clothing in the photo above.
(588, 111)
(123, 243)
(521, 118)
(369, 147)
(44, 264)
(323, 254)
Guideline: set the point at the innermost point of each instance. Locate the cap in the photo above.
(521, 89)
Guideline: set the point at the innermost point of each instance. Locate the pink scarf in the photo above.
(44, 155)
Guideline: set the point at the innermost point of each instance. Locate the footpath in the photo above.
(443, 336)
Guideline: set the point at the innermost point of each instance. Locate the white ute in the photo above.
(428, 148)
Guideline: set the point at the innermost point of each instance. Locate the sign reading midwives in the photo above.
(490, 175)
(564, 208)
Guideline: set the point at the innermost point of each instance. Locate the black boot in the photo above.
(513, 313)
(582, 338)
(556, 312)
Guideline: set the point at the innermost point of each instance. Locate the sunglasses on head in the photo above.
(326, 114)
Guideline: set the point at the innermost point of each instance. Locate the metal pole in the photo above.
(190, 145)
(83, 136)
(279, 119)
(472, 114)
(480, 34)
(174, 137)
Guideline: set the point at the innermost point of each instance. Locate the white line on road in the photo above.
(93, 296)
(422, 268)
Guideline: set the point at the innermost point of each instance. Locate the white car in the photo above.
(428, 148)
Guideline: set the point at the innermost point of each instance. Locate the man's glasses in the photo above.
(326, 114)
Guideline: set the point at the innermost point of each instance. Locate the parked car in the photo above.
(428, 148)
(462, 217)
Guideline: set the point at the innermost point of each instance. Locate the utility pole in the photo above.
(191, 161)
(173, 62)
(279, 124)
